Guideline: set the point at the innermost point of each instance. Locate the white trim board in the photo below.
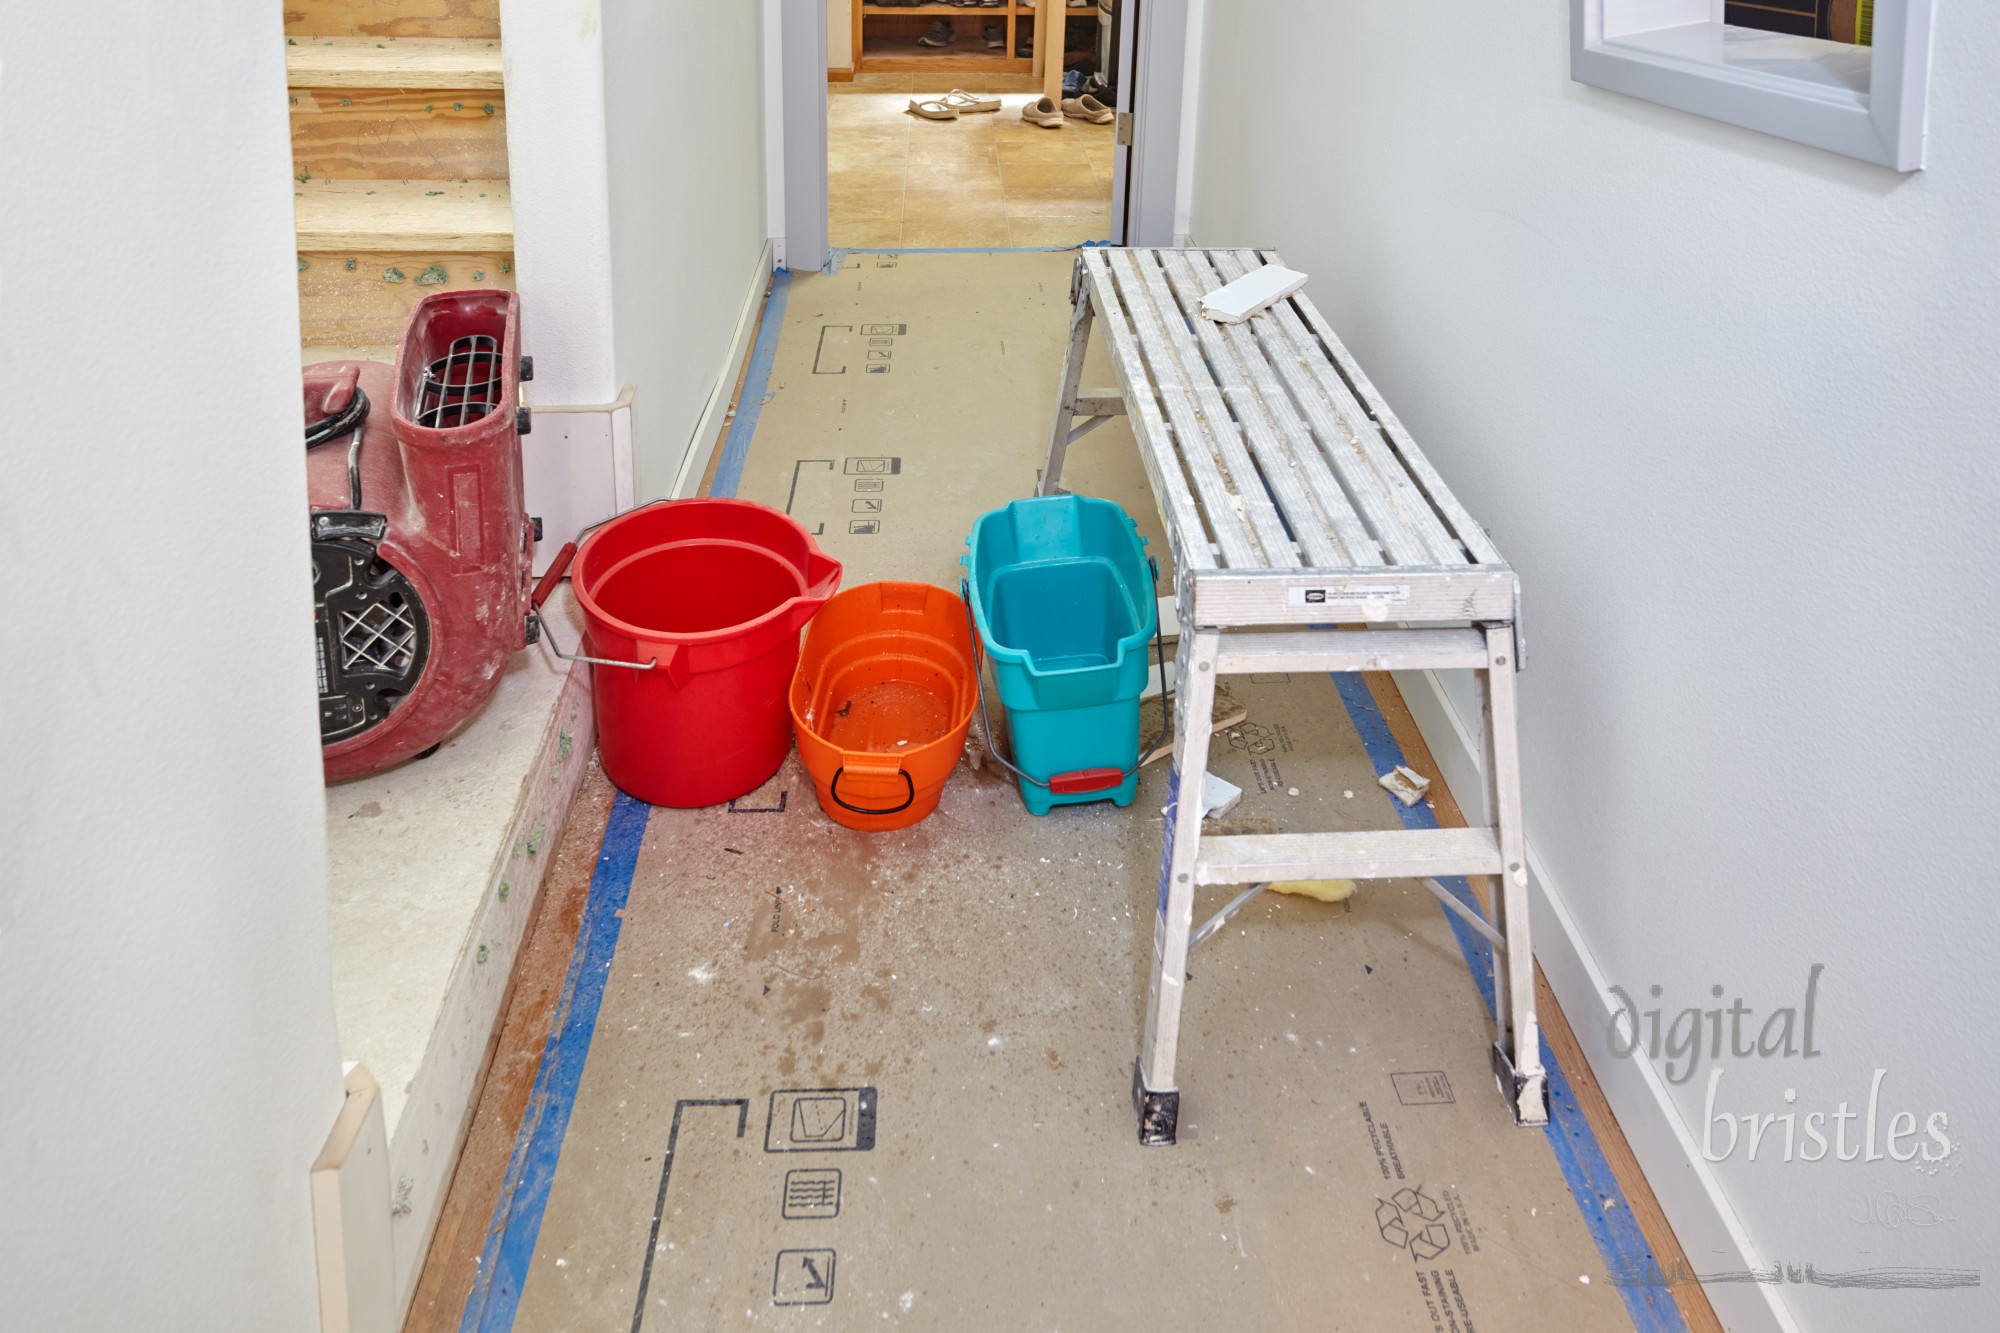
(1866, 103)
(714, 421)
(1693, 1202)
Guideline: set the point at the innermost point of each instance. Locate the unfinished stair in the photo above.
(399, 159)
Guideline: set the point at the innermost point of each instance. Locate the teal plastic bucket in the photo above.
(1062, 593)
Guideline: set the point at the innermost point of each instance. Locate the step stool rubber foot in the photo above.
(1159, 1112)
(1527, 1094)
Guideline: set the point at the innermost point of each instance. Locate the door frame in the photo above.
(1159, 61)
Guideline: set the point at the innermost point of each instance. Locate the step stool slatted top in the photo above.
(1276, 462)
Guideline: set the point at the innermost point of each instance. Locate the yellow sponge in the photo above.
(1326, 890)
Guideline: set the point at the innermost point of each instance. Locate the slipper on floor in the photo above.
(933, 109)
(1088, 108)
(969, 102)
(1044, 113)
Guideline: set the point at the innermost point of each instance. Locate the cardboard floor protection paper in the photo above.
(844, 1080)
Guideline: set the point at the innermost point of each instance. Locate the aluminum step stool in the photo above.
(1309, 534)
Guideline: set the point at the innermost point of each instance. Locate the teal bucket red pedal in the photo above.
(1060, 589)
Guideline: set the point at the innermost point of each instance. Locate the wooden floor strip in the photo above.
(460, 1237)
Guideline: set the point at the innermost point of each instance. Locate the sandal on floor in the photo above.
(969, 102)
(933, 109)
(1088, 108)
(1044, 113)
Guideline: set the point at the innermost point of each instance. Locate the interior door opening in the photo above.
(976, 125)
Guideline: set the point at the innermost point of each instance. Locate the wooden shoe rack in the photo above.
(885, 37)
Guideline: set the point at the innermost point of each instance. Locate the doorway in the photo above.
(938, 135)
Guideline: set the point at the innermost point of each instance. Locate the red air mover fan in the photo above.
(420, 547)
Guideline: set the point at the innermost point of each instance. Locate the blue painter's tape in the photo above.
(1606, 1214)
(756, 384)
(524, 1192)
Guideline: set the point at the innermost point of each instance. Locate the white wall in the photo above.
(685, 135)
(1730, 405)
(171, 1066)
(556, 166)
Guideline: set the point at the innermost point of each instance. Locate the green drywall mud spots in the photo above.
(431, 276)
(394, 275)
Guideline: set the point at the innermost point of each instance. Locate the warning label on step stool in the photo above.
(1343, 595)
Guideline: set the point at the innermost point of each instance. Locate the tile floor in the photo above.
(991, 179)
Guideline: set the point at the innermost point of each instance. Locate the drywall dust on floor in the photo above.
(841, 1080)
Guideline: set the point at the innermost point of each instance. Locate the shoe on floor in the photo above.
(933, 109)
(966, 103)
(940, 33)
(1044, 113)
(1088, 108)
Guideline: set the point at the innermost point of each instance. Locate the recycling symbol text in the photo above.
(1409, 1220)
(1253, 737)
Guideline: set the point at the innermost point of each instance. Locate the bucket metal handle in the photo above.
(909, 798)
(1079, 780)
(547, 585)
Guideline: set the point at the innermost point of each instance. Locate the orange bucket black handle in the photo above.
(909, 794)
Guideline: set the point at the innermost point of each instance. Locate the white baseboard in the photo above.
(715, 417)
(576, 468)
(1709, 1231)
(350, 1199)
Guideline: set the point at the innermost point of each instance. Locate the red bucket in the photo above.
(713, 594)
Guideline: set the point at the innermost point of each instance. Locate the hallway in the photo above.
(970, 989)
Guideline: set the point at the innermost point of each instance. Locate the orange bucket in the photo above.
(882, 700)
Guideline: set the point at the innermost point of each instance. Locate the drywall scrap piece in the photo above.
(1218, 796)
(1405, 784)
(1259, 289)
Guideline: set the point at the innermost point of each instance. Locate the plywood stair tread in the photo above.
(313, 355)
(343, 215)
(392, 62)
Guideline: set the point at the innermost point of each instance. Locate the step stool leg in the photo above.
(1517, 1059)
(1079, 338)
(1154, 1092)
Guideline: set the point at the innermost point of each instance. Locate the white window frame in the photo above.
(1865, 102)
